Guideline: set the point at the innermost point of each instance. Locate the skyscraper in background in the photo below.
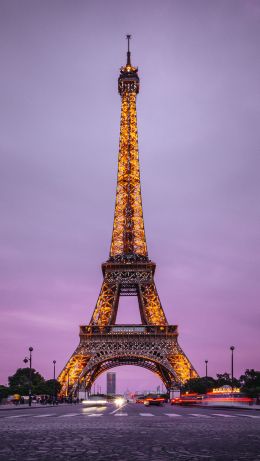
(111, 383)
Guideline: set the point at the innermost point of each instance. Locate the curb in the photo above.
(223, 407)
(25, 407)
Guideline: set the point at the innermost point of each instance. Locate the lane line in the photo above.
(69, 414)
(44, 416)
(172, 414)
(247, 416)
(223, 415)
(146, 414)
(121, 414)
(95, 414)
(17, 416)
(199, 415)
(117, 409)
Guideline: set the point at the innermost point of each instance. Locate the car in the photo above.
(119, 401)
(153, 399)
(187, 399)
(95, 401)
(139, 399)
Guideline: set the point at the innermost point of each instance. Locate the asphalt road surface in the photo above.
(131, 433)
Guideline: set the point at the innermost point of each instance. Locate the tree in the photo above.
(251, 382)
(52, 386)
(20, 382)
(4, 392)
(224, 379)
(199, 385)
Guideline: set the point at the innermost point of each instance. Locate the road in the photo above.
(131, 433)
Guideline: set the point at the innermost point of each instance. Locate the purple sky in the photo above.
(198, 119)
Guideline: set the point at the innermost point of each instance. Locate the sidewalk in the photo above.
(34, 406)
(231, 407)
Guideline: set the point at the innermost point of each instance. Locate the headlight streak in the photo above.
(119, 401)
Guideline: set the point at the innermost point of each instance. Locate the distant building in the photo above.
(111, 383)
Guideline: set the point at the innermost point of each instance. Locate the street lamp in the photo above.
(232, 365)
(85, 389)
(78, 388)
(54, 378)
(26, 360)
(68, 383)
(206, 363)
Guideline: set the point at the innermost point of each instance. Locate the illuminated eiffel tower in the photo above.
(128, 272)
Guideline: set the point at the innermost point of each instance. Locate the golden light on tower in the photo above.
(127, 272)
(128, 235)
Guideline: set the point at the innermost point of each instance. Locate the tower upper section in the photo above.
(128, 80)
(128, 237)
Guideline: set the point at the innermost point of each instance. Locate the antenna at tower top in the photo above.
(128, 62)
(128, 37)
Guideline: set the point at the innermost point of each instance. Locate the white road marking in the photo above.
(121, 414)
(44, 416)
(146, 414)
(95, 414)
(69, 414)
(17, 416)
(223, 416)
(247, 416)
(117, 409)
(172, 414)
(199, 415)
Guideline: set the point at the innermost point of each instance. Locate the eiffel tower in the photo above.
(153, 344)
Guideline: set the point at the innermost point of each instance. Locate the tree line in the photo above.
(22, 380)
(19, 383)
(249, 383)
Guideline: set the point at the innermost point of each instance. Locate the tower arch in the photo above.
(91, 372)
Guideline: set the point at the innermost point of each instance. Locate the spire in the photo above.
(128, 237)
(128, 79)
(128, 62)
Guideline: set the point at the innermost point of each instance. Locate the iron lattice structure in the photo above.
(128, 272)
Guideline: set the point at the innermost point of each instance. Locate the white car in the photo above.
(95, 401)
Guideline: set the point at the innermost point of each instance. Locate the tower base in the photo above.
(153, 347)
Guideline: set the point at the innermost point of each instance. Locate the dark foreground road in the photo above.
(132, 433)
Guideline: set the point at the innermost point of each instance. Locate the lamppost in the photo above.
(206, 363)
(54, 378)
(232, 366)
(68, 383)
(26, 360)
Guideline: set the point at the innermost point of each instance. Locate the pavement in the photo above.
(25, 406)
(132, 432)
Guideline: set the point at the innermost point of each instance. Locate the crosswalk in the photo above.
(124, 414)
